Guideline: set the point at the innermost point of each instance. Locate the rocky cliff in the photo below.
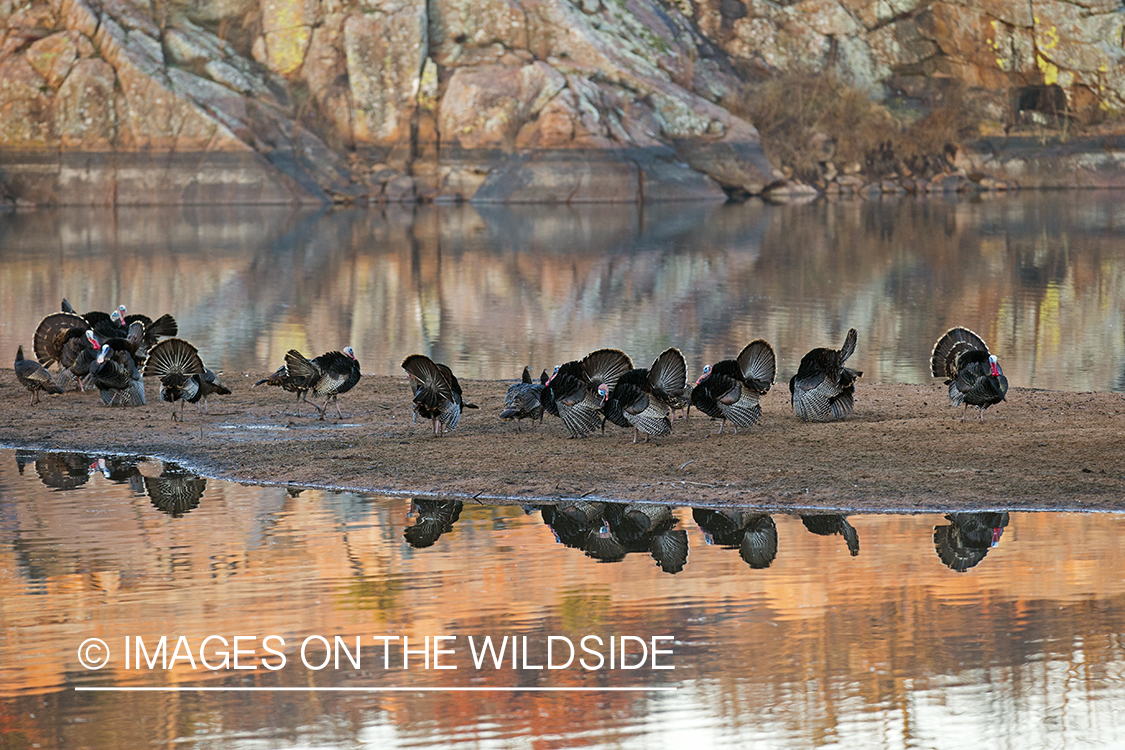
(173, 101)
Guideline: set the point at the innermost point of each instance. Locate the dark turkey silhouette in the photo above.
(437, 394)
(823, 389)
(755, 534)
(968, 537)
(574, 388)
(209, 385)
(973, 373)
(328, 376)
(177, 364)
(731, 390)
(832, 524)
(607, 532)
(117, 378)
(642, 398)
(432, 518)
(524, 400)
(175, 491)
(34, 377)
(154, 330)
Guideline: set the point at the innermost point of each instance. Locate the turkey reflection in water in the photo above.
(917, 630)
(488, 290)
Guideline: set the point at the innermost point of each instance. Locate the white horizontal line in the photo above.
(190, 689)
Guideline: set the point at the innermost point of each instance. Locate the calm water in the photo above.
(1040, 276)
(979, 631)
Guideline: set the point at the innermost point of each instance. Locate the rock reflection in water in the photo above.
(964, 542)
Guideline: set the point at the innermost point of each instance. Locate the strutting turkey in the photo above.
(823, 389)
(437, 394)
(731, 390)
(117, 378)
(328, 376)
(573, 389)
(973, 373)
(183, 376)
(643, 398)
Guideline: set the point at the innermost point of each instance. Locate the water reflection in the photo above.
(964, 542)
(487, 290)
(902, 650)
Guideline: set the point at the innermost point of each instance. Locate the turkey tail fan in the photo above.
(670, 550)
(759, 543)
(433, 386)
(669, 372)
(758, 364)
(606, 366)
(52, 333)
(951, 345)
(173, 357)
(298, 366)
(848, 349)
(162, 327)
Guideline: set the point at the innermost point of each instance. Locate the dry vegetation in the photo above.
(811, 124)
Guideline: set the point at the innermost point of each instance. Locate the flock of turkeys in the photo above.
(114, 352)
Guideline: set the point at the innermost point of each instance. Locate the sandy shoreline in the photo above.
(904, 449)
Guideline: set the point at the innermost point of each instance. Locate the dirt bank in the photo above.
(903, 449)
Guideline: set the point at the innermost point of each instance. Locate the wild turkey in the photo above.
(731, 390)
(823, 389)
(574, 388)
(642, 398)
(154, 330)
(178, 365)
(755, 534)
(209, 385)
(53, 333)
(328, 376)
(968, 537)
(974, 375)
(74, 363)
(289, 383)
(117, 378)
(832, 524)
(34, 377)
(524, 400)
(437, 394)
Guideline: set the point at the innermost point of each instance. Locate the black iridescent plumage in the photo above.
(524, 400)
(823, 389)
(731, 390)
(437, 394)
(643, 398)
(328, 376)
(573, 389)
(178, 365)
(972, 373)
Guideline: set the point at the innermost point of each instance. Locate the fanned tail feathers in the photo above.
(759, 364)
(173, 357)
(952, 344)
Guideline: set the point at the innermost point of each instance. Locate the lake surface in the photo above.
(985, 630)
(1041, 276)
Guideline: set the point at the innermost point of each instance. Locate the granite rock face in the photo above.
(133, 101)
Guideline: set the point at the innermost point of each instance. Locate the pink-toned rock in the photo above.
(485, 107)
(84, 114)
(24, 105)
(384, 96)
(53, 57)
